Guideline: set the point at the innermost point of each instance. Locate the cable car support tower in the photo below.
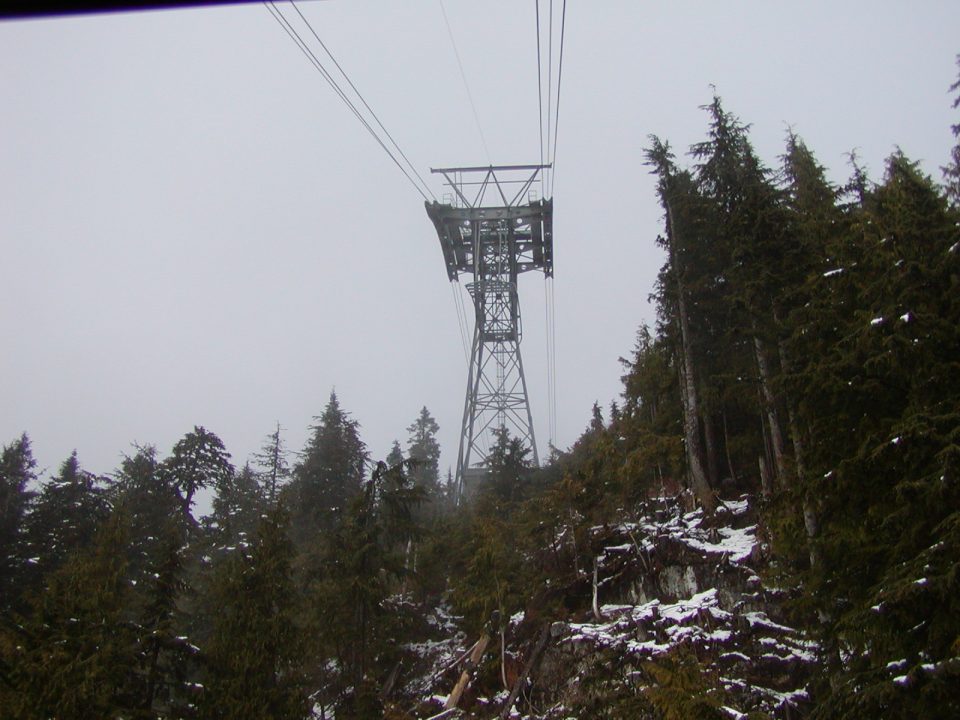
(493, 228)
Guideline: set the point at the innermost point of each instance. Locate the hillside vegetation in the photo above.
(767, 524)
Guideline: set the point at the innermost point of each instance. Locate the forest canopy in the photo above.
(806, 354)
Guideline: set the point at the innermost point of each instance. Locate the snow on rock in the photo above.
(670, 584)
(673, 581)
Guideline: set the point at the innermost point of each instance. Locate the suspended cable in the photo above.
(553, 353)
(556, 123)
(546, 323)
(466, 85)
(461, 321)
(305, 49)
(359, 95)
(549, 94)
(543, 189)
(464, 315)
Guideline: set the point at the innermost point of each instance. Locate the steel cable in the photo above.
(308, 53)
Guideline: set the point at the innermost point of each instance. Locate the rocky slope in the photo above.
(675, 616)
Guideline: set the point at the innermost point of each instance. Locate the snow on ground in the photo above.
(761, 662)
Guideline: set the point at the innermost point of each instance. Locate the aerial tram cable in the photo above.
(461, 322)
(318, 65)
(359, 95)
(543, 188)
(549, 93)
(548, 153)
(466, 85)
(556, 122)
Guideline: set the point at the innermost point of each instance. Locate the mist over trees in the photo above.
(806, 353)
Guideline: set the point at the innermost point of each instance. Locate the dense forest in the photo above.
(806, 358)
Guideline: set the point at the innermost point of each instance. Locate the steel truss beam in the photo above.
(494, 243)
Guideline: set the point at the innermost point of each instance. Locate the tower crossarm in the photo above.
(530, 227)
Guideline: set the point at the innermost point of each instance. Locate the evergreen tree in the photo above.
(424, 453)
(16, 475)
(650, 419)
(65, 515)
(159, 557)
(73, 655)
(237, 506)
(885, 447)
(365, 557)
(821, 250)
(749, 260)
(395, 456)
(951, 172)
(154, 509)
(255, 654)
(198, 460)
(683, 225)
(331, 469)
(167, 660)
(509, 466)
(274, 470)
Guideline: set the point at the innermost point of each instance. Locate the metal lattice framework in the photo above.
(494, 243)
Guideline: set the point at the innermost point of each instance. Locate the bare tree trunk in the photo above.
(527, 669)
(710, 445)
(688, 387)
(770, 409)
(596, 608)
(475, 656)
(808, 510)
(765, 482)
(726, 445)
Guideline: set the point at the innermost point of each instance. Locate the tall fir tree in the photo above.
(255, 656)
(951, 171)
(886, 456)
(273, 469)
(65, 515)
(73, 655)
(16, 475)
(198, 460)
(238, 504)
(683, 226)
(395, 456)
(423, 450)
(330, 471)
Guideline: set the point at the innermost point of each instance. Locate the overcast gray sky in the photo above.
(194, 229)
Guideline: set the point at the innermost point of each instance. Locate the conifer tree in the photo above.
(255, 655)
(365, 556)
(65, 515)
(679, 200)
(153, 506)
(331, 468)
(237, 506)
(73, 655)
(883, 452)
(274, 470)
(951, 172)
(749, 260)
(167, 658)
(651, 416)
(395, 456)
(16, 474)
(819, 249)
(198, 460)
(424, 452)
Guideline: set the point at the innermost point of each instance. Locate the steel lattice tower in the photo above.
(494, 243)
